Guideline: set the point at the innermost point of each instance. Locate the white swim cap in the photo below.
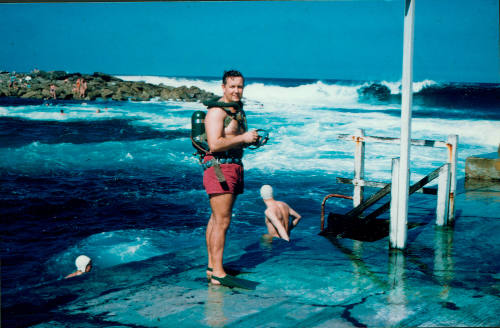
(266, 191)
(81, 262)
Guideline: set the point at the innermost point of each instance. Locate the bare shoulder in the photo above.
(282, 204)
(216, 111)
(215, 117)
(273, 211)
(268, 211)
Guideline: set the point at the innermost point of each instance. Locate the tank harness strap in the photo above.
(218, 173)
(239, 115)
(197, 146)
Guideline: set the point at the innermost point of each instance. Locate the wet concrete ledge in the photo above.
(447, 277)
(483, 167)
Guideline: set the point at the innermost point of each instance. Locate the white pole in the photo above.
(393, 227)
(452, 159)
(443, 196)
(406, 101)
(359, 168)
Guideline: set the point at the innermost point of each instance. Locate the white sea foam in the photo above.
(212, 86)
(395, 87)
(471, 132)
(304, 122)
(315, 94)
(302, 139)
(418, 86)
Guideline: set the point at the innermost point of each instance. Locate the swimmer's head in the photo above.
(266, 191)
(82, 262)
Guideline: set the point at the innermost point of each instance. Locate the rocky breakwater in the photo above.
(75, 86)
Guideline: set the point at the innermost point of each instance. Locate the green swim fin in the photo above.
(230, 281)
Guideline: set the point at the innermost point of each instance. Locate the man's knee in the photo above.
(222, 206)
(222, 221)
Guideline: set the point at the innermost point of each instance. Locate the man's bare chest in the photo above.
(233, 128)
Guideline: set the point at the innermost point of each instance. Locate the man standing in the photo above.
(223, 176)
(277, 216)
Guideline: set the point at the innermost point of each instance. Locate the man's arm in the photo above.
(296, 216)
(71, 275)
(277, 224)
(216, 138)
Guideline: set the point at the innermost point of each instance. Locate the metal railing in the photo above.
(445, 209)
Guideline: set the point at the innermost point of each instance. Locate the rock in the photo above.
(165, 94)
(58, 75)
(118, 97)
(374, 91)
(105, 77)
(99, 85)
(42, 75)
(31, 94)
(46, 93)
(106, 93)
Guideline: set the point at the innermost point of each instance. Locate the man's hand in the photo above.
(295, 215)
(250, 137)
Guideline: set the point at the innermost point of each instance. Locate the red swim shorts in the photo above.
(234, 180)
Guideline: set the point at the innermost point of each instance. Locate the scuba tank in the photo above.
(198, 135)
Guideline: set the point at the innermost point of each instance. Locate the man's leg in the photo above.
(208, 233)
(222, 206)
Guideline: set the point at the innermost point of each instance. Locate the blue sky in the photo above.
(455, 40)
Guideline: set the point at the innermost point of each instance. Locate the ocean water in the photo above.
(118, 180)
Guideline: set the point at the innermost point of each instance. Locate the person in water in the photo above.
(277, 216)
(83, 265)
(226, 137)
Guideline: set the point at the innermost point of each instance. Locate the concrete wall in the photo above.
(484, 167)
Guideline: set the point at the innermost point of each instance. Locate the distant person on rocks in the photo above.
(27, 82)
(83, 265)
(83, 88)
(53, 91)
(76, 89)
(277, 216)
(12, 81)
